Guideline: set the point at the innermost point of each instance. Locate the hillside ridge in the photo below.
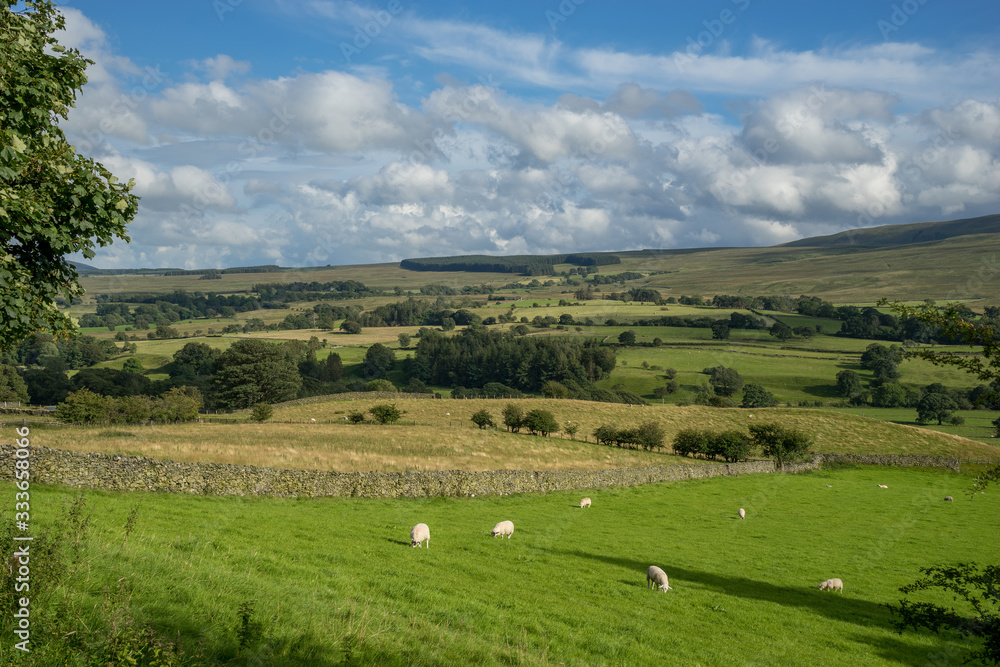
(901, 234)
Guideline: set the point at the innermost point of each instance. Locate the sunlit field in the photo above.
(325, 582)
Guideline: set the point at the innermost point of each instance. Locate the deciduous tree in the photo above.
(254, 371)
(53, 201)
(779, 442)
(935, 406)
(756, 396)
(725, 381)
(483, 419)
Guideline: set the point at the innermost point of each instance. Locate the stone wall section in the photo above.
(115, 472)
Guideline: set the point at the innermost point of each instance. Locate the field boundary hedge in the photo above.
(114, 472)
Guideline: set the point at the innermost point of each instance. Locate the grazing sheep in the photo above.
(420, 533)
(832, 585)
(743, 513)
(584, 502)
(657, 578)
(503, 528)
(882, 486)
(949, 498)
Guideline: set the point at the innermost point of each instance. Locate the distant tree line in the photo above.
(528, 265)
(164, 309)
(334, 290)
(264, 268)
(86, 407)
(615, 278)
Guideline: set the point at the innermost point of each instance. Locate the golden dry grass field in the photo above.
(438, 435)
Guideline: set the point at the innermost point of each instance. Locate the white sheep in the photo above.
(882, 486)
(420, 533)
(832, 585)
(503, 528)
(657, 578)
(743, 513)
(584, 502)
(949, 499)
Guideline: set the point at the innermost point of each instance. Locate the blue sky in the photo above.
(313, 133)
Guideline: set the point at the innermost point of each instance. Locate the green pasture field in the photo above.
(978, 423)
(323, 582)
(791, 375)
(827, 325)
(603, 310)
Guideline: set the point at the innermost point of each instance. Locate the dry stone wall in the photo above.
(136, 473)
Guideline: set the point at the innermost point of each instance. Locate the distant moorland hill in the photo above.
(955, 259)
(897, 235)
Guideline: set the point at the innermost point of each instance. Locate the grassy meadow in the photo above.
(325, 582)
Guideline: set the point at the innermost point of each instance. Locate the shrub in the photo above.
(649, 435)
(756, 396)
(385, 413)
(483, 419)
(132, 365)
(380, 385)
(356, 417)
(732, 445)
(129, 410)
(691, 441)
(725, 381)
(779, 442)
(553, 389)
(179, 404)
(261, 412)
(513, 417)
(84, 407)
(541, 422)
(605, 435)
(350, 326)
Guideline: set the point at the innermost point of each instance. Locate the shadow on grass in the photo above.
(822, 391)
(954, 651)
(837, 606)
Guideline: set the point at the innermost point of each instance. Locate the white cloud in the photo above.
(331, 167)
(222, 66)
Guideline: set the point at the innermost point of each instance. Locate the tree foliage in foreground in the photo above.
(53, 201)
(961, 580)
(978, 589)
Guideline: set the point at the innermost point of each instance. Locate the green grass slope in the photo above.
(334, 581)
